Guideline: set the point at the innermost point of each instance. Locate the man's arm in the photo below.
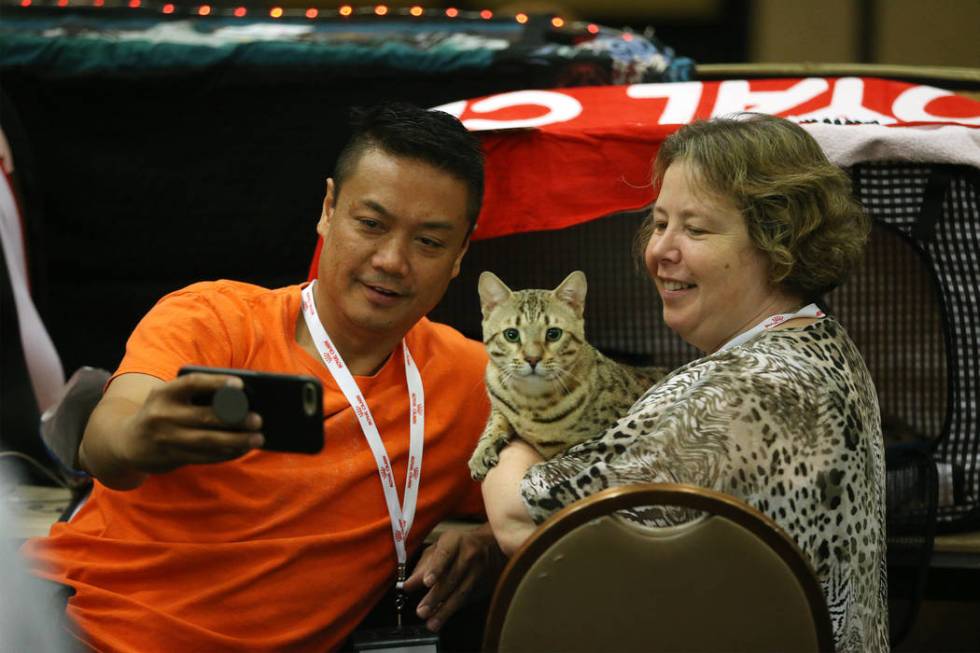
(143, 425)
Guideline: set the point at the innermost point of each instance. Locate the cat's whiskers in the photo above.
(575, 377)
(560, 380)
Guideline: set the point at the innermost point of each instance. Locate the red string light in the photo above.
(345, 10)
(627, 37)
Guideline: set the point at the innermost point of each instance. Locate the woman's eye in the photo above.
(694, 231)
(659, 227)
(553, 334)
(512, 335)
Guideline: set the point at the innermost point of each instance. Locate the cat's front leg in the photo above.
(496, 435)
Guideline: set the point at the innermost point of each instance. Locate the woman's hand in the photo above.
(508, 517)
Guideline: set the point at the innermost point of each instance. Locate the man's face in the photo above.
(393, 237)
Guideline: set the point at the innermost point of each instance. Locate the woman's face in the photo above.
(713, 282)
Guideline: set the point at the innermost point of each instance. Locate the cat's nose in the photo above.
(532, 360)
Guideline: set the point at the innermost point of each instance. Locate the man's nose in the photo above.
(391, 257)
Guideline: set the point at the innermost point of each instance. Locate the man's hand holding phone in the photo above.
(144, 425)
(172, 429)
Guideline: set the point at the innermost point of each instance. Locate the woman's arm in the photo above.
(508, 517)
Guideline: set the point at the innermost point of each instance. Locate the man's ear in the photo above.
(459, 258)
(329, 204)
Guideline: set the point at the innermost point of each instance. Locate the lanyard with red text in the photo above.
(401, 516)
(810, 310)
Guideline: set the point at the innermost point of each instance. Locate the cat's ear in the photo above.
(493, 292)
(572, 291)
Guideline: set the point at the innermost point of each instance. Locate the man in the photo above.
(193, 538)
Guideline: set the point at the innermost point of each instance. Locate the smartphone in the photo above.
(291, 406)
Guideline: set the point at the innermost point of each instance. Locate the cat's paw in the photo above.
(485, 458)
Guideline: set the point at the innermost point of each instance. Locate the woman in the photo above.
(751, 226)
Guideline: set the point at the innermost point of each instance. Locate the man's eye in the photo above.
(512, 335)
(431, 242)
(553, 334)
(368, 223)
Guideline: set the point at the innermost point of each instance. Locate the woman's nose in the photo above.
(661, 246)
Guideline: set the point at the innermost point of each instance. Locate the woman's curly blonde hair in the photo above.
(797, 205)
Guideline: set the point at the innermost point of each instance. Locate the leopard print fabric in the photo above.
(789, 423)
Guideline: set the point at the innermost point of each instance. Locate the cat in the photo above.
(547, 385)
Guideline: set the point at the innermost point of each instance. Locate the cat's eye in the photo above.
(553, 334)
(512, 335)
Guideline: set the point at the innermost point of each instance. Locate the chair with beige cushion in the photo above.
(590, 580)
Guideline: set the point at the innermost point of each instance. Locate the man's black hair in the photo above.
(405, 130)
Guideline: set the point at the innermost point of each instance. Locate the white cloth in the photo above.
(846, 145)
(43, 362)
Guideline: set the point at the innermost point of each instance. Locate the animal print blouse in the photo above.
(788, 422)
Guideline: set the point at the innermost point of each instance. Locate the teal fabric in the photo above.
(86, 54)
(112, 43)
(82, 46)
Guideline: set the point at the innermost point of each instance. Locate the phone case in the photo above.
(291, 406)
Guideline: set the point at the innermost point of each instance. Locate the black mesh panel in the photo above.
(937, 209)
(891, 309)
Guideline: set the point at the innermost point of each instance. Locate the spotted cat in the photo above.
(547, 385)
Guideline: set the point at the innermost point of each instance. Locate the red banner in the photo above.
(556, 158)
(560, 157)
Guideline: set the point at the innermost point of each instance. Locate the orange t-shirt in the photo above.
(270, 552)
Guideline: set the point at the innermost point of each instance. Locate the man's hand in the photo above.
(462, 563)
(143, 425)
(169, 431)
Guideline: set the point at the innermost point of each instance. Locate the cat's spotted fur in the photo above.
(547, 385)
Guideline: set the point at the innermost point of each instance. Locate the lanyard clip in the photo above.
(400, 594)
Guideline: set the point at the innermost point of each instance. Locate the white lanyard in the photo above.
(810, 310)
(401, 516)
